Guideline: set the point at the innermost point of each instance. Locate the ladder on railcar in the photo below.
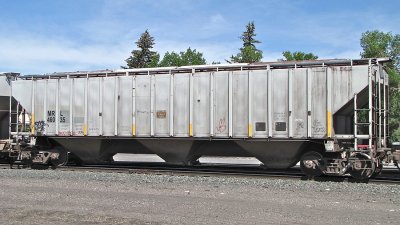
(13, 126)
(377, 115)
(17, 126)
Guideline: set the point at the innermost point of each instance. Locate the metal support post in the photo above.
(355, 123)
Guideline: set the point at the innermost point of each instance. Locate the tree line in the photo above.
(374, 44)
(145, 57)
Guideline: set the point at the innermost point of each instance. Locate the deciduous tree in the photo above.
(186, 58)
(298, 56)
(380, 44)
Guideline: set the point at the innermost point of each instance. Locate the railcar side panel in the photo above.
(162, 104)
(259, 104)
(221, 104)
(143, 106)
(93, 107)
(299, 95)
(125, 106)
(78, 110)
(359, 78)
(108, 111)
(39, 110)
(240, 103)
(280, 84)
(181, 105)
(201, 105)
(51, 108)
(342, 86)
(318, 100)
(22, 90)
(64, 106)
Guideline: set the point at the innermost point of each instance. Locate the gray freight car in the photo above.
(332, 115)
(5, 91)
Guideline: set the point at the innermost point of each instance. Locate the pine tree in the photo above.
(143, 57)
(248, 53)
(248, 36)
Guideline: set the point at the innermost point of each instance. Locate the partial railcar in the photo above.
(5, 92)
(278, 112)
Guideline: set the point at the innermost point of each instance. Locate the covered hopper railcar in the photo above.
(332, 115)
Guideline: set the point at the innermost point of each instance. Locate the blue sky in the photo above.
(45, 36)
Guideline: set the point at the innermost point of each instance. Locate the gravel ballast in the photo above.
(63, 197)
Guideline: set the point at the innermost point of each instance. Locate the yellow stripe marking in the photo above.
(133, 129)
(250, 130)
(85, 129)
(33, 124)
(329, 124)
(191, 130)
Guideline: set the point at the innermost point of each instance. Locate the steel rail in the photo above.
(249, 171)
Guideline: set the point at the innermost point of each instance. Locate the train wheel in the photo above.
(27, 154)
(312, 164)
(193, 162)
(362, 167)
(378, 168)
(59, 157)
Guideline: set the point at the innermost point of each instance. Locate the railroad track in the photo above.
(250, 171)
(387, 177)
(203, 170)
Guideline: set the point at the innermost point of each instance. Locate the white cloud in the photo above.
(216, 25)
(43, 55)
(348, 54)
(105, 39)
(217, 19)
(270, 56)
(37, 55)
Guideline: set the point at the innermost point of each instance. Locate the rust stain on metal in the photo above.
(161, 114)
